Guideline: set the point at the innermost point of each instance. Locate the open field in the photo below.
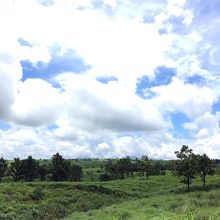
(160, 197)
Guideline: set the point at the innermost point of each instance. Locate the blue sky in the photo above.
(58, 64)
(109, 78)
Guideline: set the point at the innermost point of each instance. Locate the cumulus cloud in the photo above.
(37, 103)
(189, 99)
(97, 106)
(10, 73)
(110, 39)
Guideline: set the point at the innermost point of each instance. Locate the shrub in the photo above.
(104, 177)
(37, 194)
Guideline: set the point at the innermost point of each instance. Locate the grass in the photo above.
(160, 197)
(53, 200)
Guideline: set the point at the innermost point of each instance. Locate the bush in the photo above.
(37, 194)
(104, 177)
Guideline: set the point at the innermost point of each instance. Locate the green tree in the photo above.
(42, 172)
(124, 166)
(30, 168)
(139, 167)
(75, 173)
(15, 169)
(147, 166)
(59, 168)
(3, 167)
(185, 166)
(111, 169)
(205, 166)
(157, 168)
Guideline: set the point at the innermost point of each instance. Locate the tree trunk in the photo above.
(188, 181)
(204, 180)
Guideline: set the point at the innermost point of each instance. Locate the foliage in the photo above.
(147, 166)
(42, 171)
(3, 167)
(186, 165)
(205, 166)
(189, 165)
(59, 168)
(29, 168)
(104, 177)
(75, 173)
(37, 194)
(15, 169)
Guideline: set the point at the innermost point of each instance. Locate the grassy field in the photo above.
(160, 197)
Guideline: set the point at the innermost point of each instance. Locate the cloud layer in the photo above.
(92, 78)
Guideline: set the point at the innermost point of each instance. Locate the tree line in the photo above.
(125, 167)
(29, 169)
(188, 166)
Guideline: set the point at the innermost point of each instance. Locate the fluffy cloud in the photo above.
(37, 103)
(177, 96)
(10, 73)
(80, 116)
(97, 106)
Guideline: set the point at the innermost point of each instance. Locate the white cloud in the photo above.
(97, 106)
(37, 103)
(177, 96)
(121, 39)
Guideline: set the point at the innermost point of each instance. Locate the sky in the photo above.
(109, 78)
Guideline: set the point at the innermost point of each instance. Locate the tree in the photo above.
(59, 168)
(29, 168)
(157, 168)
(15, 169)
(75, 173)
(147, 166)
(139, 166)
(185, 165)
(111, 169)
(3, 167)
(205, 166)
(42, 172)
(124, 166)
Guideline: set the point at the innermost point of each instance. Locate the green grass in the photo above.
(53, 200)
(160, 197)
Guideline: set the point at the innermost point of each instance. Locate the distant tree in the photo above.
(59, 168)
(3, 167)
(147, 166)
(29, 168)
(124, 166)
(185, 166)
(157, 168)
(42, 172)
(205, 166)
(75, 173)
(111, 169)
(15, 169)
(132, 169)
(139, 167)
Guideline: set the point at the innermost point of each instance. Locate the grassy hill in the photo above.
(160, 197)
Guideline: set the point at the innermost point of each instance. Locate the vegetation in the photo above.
(205, 166)
(3, 167)
(122, 188)
(189, 165)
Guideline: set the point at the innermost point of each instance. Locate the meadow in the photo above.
(159, 197)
